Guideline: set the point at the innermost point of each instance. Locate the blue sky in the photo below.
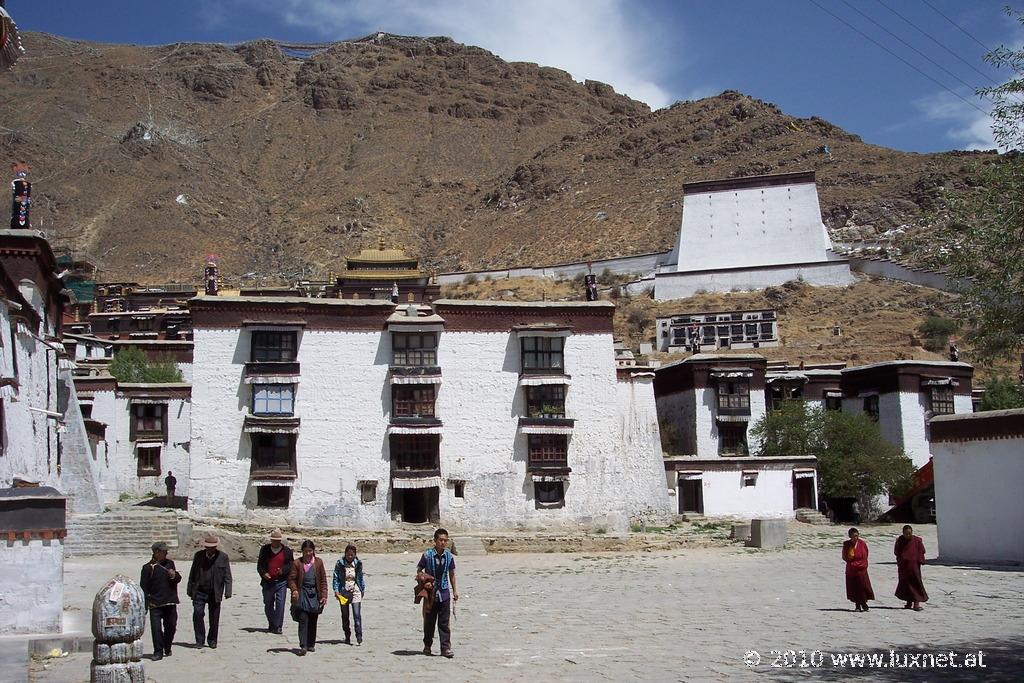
(790, 52)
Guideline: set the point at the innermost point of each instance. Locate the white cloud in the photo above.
(613, 41)
(968, 128)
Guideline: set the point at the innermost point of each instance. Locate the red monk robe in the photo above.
(858, 585)
(909, 558)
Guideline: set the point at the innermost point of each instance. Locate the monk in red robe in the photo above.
(858, 585)
(909, 552)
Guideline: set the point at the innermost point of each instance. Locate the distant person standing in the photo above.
(858, 584)
(909, 551)
(170, 482)
(439, 564)
(159, 582)
(273, 565)
(348, 581)
(209, 583)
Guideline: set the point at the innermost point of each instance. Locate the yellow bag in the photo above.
(344, 597)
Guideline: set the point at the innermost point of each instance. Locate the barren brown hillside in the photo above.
(147, 158)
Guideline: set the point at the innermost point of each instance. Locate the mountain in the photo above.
(283, 159)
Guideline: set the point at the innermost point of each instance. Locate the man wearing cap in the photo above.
(209, 582)
(159, 581)
(273, 565)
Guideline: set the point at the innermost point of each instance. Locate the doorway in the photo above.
(691, 495)
(416, 506)
(803, 492)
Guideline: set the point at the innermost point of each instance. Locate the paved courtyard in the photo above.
(677, 615)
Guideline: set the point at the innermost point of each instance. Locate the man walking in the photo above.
(438, 566)
(159, 582)
(209, 582)
(273, 565)
(170, 482)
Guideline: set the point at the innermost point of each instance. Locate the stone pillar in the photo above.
(118, 622)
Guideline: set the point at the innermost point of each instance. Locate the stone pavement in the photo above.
(676, 615)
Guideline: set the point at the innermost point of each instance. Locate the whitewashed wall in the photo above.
(772, 496)
(669, 285)
(32, 586)
(978, 500)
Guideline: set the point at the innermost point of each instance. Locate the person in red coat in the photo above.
(909, 552)
(858, 585)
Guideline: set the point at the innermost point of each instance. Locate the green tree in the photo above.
(854, 459)
(1002, 393)
(983, 238)
(131, 366)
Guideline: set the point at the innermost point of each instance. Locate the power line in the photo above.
(939, 43)
(912, 66)
(958, 26)
(906, 44)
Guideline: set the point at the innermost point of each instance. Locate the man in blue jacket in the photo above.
(439, 563)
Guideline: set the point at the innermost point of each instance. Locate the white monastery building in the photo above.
(473, 414)
(707, 404)
(979, 467)
(750, 233)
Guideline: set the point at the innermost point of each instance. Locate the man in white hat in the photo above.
(273, 565)
(209, 582)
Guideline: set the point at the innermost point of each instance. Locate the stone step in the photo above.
(467, 546)
(808, 516)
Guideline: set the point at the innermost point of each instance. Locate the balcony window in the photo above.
(833, 401)
(273, 453)
(412, 400)
(149, 422)
(942, 401)
(274, 347)
(732, 438)
(545, 401)
(273, 399)
(543, 353)
(417, 452)
(548, 450)
(414, 348)
(784, 392)
(733, 397)
(549, 494)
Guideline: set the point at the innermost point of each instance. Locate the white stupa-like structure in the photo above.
(750, 233)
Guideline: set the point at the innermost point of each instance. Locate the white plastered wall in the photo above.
(771, 496)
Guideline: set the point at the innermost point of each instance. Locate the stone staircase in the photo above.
(128, 531)
(809, 516)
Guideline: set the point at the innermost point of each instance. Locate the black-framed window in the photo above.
(871, 407)
(414, 348)
(733, 395)
(413, 400)
(415, 451)
(273, 452)
(548, 450)
(269, 346)
(941, 401)
(833, 402)
(148, 461)
(547, 400)
(732, 438)
(273, 496)
(780, 393)
(543, 353)
(367, 492)
(149, 421)
(549, 494)
(273, 399)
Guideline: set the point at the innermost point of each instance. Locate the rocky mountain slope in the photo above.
(282, 161)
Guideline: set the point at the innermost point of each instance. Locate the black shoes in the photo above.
(213, 645)
(302, 652)
(157, 656)
(447, 653)
(312, 648)
(426, 651)
(167, 652)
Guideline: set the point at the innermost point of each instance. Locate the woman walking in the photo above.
(308, 584)
(349, 588)
(909, 551)
(858, 585)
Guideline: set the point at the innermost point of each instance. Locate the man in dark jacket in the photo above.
(209, 582)
(159, 581)
(273, 565)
